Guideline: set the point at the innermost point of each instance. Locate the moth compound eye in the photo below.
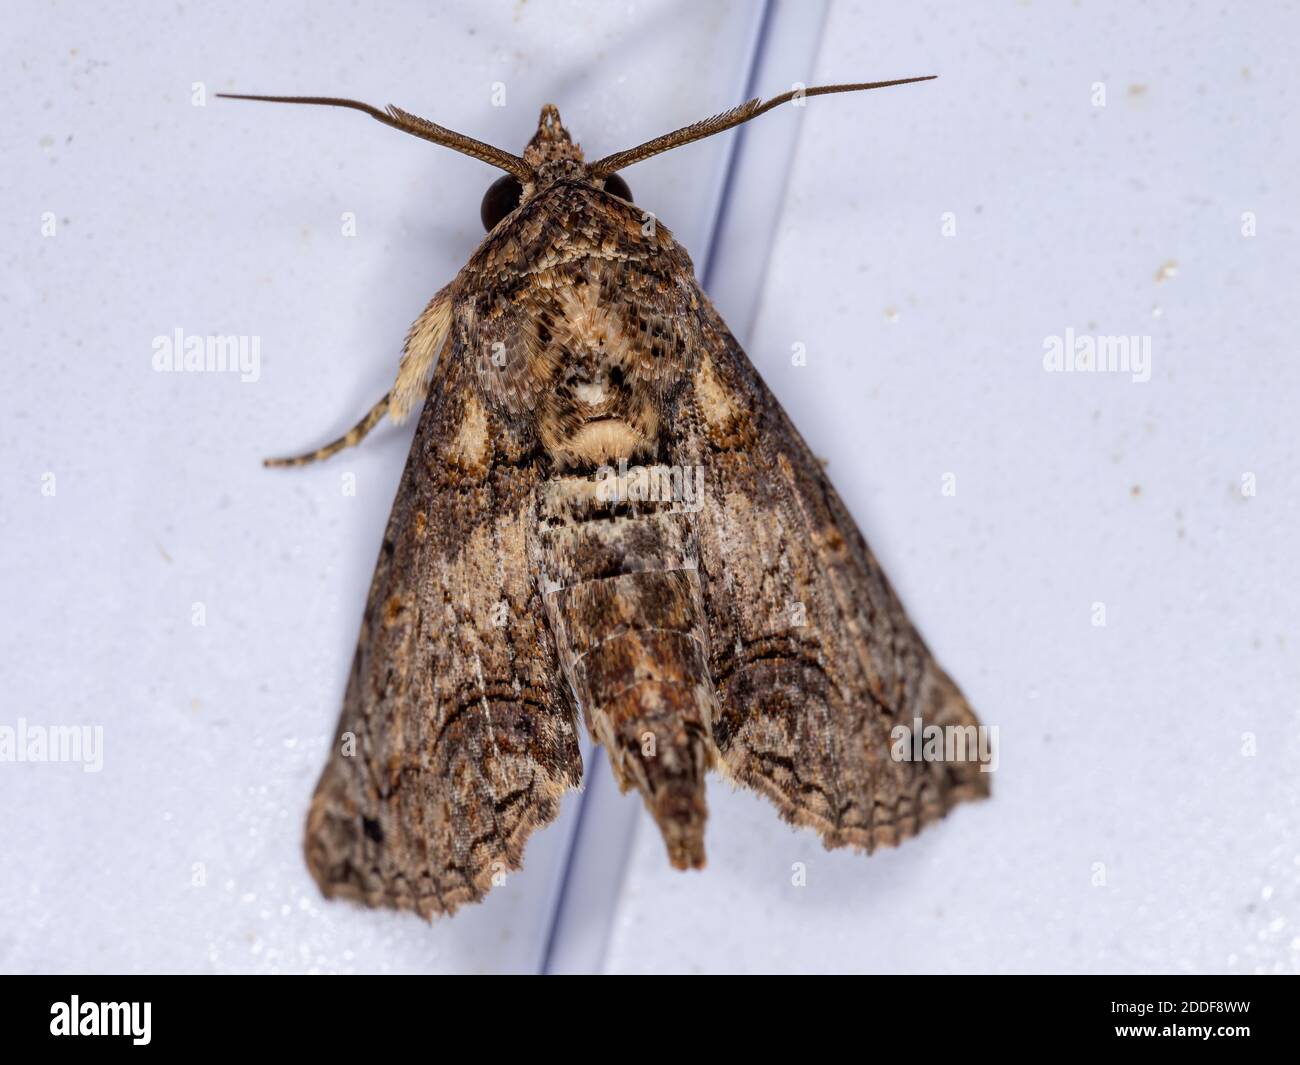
(618, 187)
(501, 198)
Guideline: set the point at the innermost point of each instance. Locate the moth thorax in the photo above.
(560, 170)
(595, 417)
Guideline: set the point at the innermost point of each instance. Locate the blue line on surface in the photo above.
(751, 90)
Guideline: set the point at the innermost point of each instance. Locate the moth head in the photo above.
(551, 143)
(552, 155)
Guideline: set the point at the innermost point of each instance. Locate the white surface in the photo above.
(1119, 745)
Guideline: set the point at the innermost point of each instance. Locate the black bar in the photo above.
(333, 1014)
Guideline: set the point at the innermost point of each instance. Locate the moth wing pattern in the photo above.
(814, 660)
(457, 737)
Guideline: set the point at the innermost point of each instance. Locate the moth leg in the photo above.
(352, 437)
(423, 342)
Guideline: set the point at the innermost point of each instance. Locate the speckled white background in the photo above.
(1120, 746)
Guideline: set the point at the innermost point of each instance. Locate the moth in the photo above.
(606, 514)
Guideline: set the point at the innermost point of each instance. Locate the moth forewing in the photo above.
(606, 515)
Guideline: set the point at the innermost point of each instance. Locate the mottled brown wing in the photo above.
(814, 660)
(457, 738)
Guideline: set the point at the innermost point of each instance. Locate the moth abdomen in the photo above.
(623, 600)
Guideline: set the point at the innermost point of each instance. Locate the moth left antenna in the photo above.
(414, 125)
(709, 126)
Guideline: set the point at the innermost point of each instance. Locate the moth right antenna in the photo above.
(414, 125)
(709, 126)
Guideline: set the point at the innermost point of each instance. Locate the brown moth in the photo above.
(606, 511)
